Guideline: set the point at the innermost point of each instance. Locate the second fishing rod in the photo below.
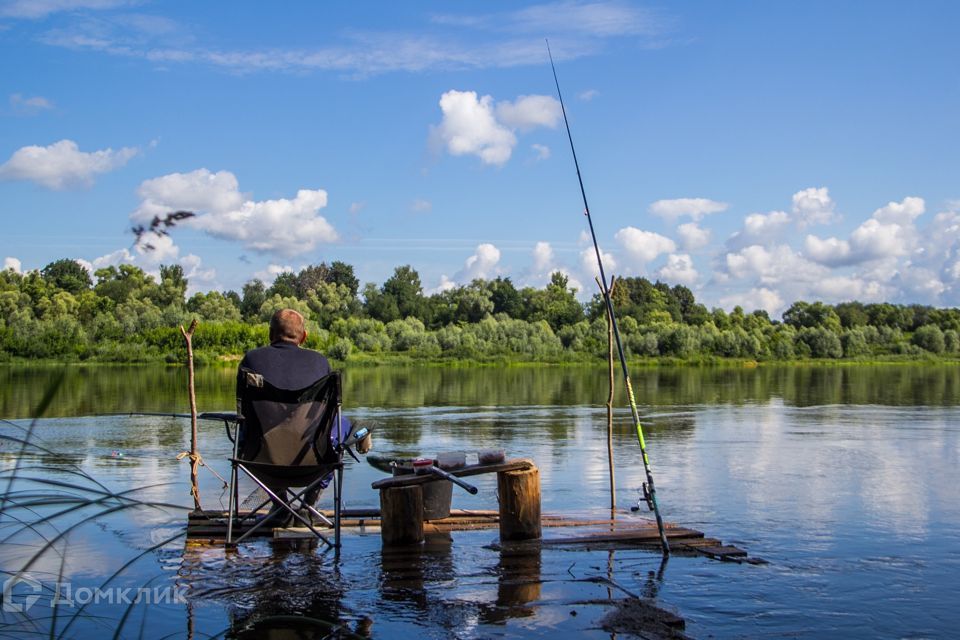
(650, 490)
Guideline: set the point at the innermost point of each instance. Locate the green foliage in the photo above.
(127, 316)
(67, 275)
(930, 338)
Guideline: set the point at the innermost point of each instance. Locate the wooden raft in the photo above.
(559, 532)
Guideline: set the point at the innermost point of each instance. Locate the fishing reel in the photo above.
(644, 497)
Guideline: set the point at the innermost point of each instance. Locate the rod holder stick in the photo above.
(194, 453)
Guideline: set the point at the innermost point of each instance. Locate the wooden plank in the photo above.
(723, 551)
(637, 535)
(471, 470)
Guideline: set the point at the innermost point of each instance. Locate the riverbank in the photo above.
(566, 360)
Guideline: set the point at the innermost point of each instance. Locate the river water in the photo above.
(845, 479)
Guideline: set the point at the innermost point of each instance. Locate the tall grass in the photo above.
(47, 497)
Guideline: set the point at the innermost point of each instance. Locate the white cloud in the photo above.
(696, 208)
(470, 127)
(901, 213)
(844, 288)
(831, 251)
(756, 298)
(356, 207)
(446, 284)
(62, 164)
(588, 260)
(873, 239)
(692, 237)
(588, 95)
(270, 273)
(542, 257)
(644, 246)
(679, 269)
(771, 266)
(759, 228)
(13, 264)
(529, 112)
(474, 125)
(813, 206)
(542, 151)
(33, 104)
(286, 227)
(482, 264)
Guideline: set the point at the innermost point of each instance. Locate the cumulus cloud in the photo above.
(831, 251)
(695, 208)
(644, 246)
(446, 284)
(813, 206)
(285, 226)
(693, 237)
(270, 273)
(529, 112)
(13, 264)
(542, 257)
(482, 264)
(756, 298)
(759, 228)
(679, 269)
(588, 261)
(901, 213)
(164, 251)
(542, 151)
(62, 165)
(889, 233)
(474, 125)
(770, 266)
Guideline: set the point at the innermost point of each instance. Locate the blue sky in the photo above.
(756, 152)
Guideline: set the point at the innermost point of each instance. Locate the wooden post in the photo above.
(519, 504)
(401, 515)
(613, 484)
(194, 454)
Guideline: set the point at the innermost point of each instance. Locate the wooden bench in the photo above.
(518, 486)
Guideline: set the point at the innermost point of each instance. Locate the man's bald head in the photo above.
(287, 325)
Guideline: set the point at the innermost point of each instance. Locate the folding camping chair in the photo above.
(282, 441)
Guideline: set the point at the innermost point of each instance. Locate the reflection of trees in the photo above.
(102, 389)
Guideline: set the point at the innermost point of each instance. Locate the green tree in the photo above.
(930, 338)
(254, 295)
(67, 275)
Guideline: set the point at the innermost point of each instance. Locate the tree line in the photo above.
(123, 314)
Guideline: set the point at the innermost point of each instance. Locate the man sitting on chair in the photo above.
(286, 365)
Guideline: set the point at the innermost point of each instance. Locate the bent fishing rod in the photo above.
(649, 489)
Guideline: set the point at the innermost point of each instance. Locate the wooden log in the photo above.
(519, 504)
(401, 515)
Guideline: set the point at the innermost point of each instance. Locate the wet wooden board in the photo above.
(623, 533)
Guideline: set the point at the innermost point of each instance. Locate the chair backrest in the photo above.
(288, 427)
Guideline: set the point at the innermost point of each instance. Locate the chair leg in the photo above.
(337, 501)
(283, 504)
(231, 504)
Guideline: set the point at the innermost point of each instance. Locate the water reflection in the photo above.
(91, 390)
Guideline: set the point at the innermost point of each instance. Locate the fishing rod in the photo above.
(649, 489)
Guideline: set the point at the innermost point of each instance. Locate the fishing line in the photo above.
(649, 490)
